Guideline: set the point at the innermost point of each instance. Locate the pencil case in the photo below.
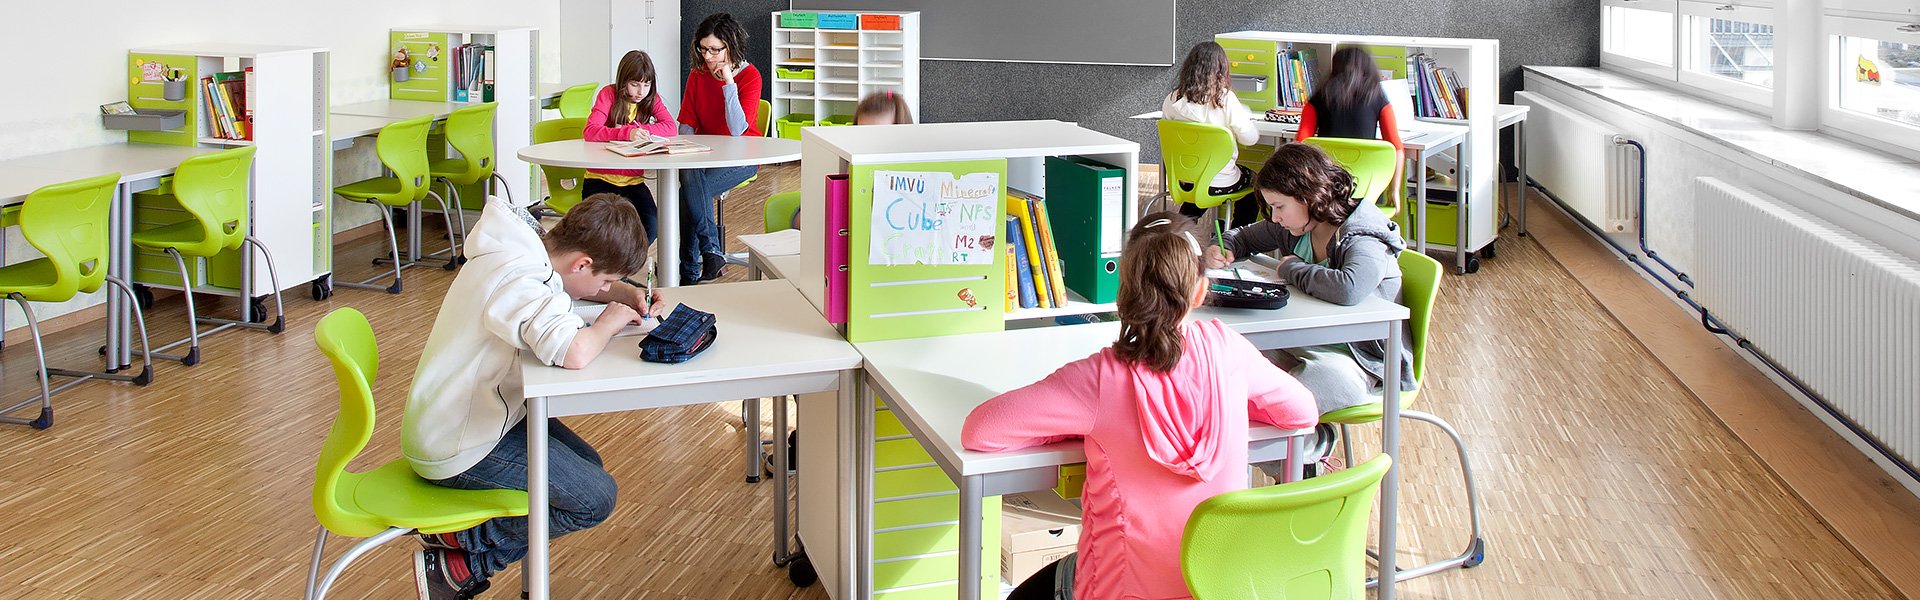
(1240, 293)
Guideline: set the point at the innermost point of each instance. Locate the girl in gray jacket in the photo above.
(1334, 248)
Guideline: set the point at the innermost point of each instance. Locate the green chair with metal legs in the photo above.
(66, 222)
(563, 183)
(779, 210)
(214, 190)
(402, 148)
(389, 501)
(576, 102)
(1309, 544)
(1191, 154)
(1420, 288)
(470, 132)
(765, 121)
(1371, 162)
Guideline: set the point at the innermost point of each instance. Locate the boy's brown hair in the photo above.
(607, 229)
(1159, 269)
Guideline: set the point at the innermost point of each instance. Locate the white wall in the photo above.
(70, 57)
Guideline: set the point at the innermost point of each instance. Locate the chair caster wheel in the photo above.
(103, 350)
(322, 289)
(145, 376)
(394, 289)
(143, 296)
(192, 358)
(257, 308)
(801, 572)
(753, 479)
(45, 420)
(1479, 554)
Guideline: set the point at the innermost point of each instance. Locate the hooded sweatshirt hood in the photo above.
(1180, 410)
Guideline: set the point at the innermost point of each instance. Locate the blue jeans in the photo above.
(699, 232)
(582, 494)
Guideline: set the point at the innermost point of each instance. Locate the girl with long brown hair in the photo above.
(629, 109)
(1204, 94)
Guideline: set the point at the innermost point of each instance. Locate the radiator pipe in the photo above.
(1640, 214)
(1713, 325)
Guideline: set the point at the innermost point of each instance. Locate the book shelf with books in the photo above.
(824, 62)
(1452, 81)
(273, 98)
(474, 64)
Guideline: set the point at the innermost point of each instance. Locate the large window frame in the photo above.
(1848, 123)
(1752, 96)
(1641, 66)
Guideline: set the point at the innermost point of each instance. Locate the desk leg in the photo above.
(1462, 237)
(863, 440)
(970, 542)
(536, 564)
(750, 429)
(667, 201)
(1520, 160)
(1296, 459)
(781, 505)
(1420, 201)
(1390, 446)
(119, 331)
(413, 230)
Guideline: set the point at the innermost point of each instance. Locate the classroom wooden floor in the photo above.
(1602, 477)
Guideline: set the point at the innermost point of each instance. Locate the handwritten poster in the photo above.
(934, 218)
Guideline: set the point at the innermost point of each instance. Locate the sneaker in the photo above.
(440, 574)
(712, 265)
(439, 541)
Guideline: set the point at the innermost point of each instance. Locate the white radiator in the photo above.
(1575, 157)
(1841, 313)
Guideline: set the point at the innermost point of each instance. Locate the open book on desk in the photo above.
(656, 145)
(590, 312)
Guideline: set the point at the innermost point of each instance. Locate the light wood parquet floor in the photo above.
(1601, 476)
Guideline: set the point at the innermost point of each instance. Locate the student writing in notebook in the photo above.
(465, 424)
(1204, 94)
(1350, 104)
(1164, 412)
(629, 109)
(722, 97)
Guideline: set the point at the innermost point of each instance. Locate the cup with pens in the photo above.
(174, 87)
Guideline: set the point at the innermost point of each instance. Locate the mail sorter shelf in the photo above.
(850, 53)
(146, 119)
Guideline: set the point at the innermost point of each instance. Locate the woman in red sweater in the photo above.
(628, 110)
(722, 97)
(1349, 104)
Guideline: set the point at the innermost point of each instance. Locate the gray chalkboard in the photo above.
(1123, 32)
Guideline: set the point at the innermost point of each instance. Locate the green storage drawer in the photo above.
(943, 566)
(836, 120)
(911, 482)
(885, 425)
(900, 453)
(916, 541)
(916, 511)
(1255, 58)
(789, 126)
(796, 19)
(793, 73)
(1442, 220)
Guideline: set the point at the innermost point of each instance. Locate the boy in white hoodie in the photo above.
(465, 421)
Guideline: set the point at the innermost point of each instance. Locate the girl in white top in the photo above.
(1204, 94)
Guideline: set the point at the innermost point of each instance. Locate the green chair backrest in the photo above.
(563, 183)
(1192, 154)
(778, 212)
(577, 102)
(347, 340)
(1309, 539)
(67, 222)
(1370, 161)
(764, 120)
(402, 147)
(1419, 288)
(213, 188)
(470, 131)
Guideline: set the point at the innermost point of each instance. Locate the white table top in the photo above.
(1508, 114)
(549, 91)
(936, 381)
(728, 151)
(1422, 136)
(134, 162)
(400, 109)
(346, 127)
(956, 141)
(766, 329)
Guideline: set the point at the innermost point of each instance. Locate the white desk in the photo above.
(918, 381)
(548, 94)
(772, 255)
(771, 342)
(400, 109)
(346, 127)
(1515, 115)
(728, 151)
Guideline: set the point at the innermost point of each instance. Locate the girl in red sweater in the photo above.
(628, 110)
(1349, 104)
(722, 97)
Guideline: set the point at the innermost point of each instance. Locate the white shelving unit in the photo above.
(515, 73)
(292, 182)
(823, 72)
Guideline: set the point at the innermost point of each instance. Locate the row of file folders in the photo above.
(1068, 239)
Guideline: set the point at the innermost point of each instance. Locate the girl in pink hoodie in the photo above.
(1163, 419)
(629, 109)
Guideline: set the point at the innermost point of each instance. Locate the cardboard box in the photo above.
(1036, 529)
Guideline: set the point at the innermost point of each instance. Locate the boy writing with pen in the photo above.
(465, 421)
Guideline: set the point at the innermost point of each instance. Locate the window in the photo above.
(1731, 50)
(1640, 34)
(1880, 78)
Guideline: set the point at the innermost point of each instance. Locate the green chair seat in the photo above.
(396, 495)
(378, 189)
(185, 233)
(33, 279)
(1311, 544)
(451, 168)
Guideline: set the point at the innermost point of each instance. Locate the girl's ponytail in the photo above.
(1159, 269)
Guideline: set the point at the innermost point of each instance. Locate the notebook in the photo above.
(590, 312)
(656, 146)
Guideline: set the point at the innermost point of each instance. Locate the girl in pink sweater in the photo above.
(1163, 419)
(628, 110)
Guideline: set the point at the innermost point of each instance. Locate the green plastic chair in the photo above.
(1309, 544)
(66, 222)
(1371, 162)
(470, 132)
(390, 501)
(576, 102)
(563, 183)
(214, 190)
(1192, 153)
(765, 121)
(1420, 287)
(779, 211)
(402, 148)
